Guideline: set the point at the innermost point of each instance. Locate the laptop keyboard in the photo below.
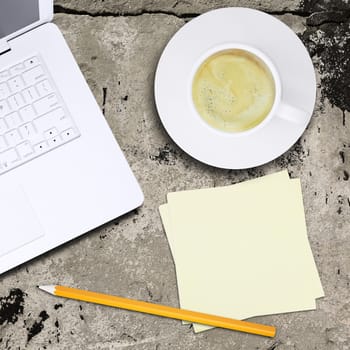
(33, 119)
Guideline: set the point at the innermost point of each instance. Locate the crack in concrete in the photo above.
(313, 19)
(62, 9)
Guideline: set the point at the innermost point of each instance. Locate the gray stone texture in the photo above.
(178, 7)
(117, 45)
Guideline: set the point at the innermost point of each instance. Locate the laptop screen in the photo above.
(17, 14)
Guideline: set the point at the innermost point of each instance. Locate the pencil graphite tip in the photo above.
(49, 289)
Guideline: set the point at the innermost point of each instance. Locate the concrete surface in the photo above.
(117, 45)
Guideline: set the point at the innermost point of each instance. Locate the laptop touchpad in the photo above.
(19, 224)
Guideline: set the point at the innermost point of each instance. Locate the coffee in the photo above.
(233, 90)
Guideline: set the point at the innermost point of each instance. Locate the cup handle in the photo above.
(291, 113)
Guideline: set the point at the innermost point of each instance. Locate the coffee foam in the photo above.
(233, 90)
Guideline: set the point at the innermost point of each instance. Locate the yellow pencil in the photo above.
(161, 310)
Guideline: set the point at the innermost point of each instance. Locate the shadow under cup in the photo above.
(234, 90)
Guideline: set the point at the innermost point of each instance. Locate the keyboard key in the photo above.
(25, 149)
(46, 104)
(8, 158)
(13, 138)
(41, 147)
(4, 108)
(30, 94)
(13, 120)
(16, 84)
(68, 134)
(55, 141)
(17, 69)
(50, 133)
(32, 62)
(16, 101)
(31, 77)
(44, 88)
(55, 118)
(27, 113)
(4, 75)
(3, 144)
(4, 91)
(27, 131)
(3, 126)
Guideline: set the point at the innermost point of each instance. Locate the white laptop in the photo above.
(61, 171)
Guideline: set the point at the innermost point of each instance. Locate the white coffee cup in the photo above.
(280, 109)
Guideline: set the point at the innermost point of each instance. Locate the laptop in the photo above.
(62, 172)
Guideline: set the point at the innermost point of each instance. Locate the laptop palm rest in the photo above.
(19, 224)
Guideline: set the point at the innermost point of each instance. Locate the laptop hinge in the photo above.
(4, 47)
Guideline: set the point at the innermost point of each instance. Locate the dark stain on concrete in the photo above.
(37, 326)
(340, 199)
(345, 175)
(311, 6)
(57, 306)
(104, 92)
(166, 155)
(319, 18)
(58, 333)
(254, 173)
(11, 306)
(294, 156)
(237, 176)
(342, 156)
(126, 336)
(329, 46)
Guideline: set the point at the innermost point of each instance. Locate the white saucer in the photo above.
(172, 81)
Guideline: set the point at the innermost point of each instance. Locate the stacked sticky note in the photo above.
(242, 250)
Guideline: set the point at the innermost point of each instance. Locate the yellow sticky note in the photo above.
(242, 251)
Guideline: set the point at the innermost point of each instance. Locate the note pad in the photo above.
(242, 251)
